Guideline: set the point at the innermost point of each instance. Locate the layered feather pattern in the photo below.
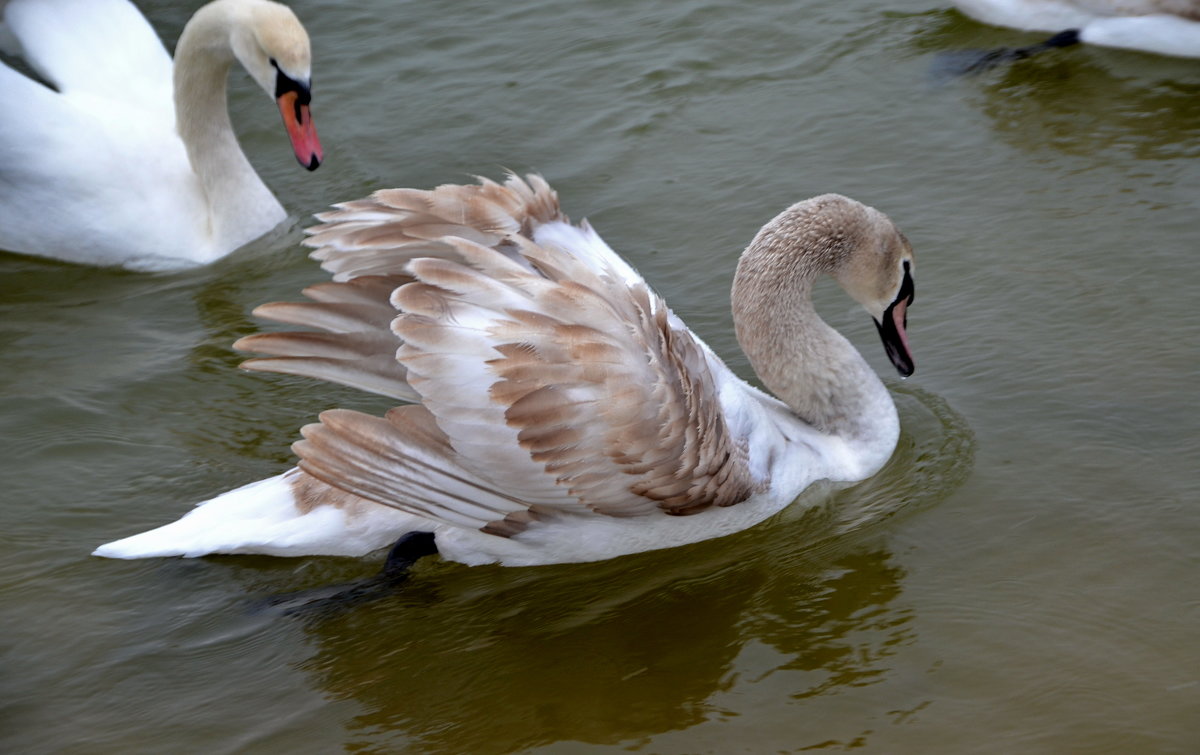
(558, 411)
(550, 382)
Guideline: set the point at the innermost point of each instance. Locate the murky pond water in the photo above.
(1023, 577)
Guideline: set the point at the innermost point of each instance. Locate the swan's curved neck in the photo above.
(801, 359)
(235, 195)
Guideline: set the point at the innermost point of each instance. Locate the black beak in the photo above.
(892, 329)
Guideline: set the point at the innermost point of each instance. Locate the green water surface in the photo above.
(1022, 578)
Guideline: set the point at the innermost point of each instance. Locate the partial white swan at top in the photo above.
(558, 411)
(129, 159)
(1166, 27)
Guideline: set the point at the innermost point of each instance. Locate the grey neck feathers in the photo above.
(804, 362)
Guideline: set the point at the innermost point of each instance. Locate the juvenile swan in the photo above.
(130, 160)
(560, 412)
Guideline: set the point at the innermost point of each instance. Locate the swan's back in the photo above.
(1166, 27)
(102, 48)
(111, 164)
(1056, 15)
(88, 172)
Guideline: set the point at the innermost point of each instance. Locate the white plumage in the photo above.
(1166, 27)
(130, 159)
(564, 413)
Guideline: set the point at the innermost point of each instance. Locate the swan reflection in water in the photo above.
(793, 615)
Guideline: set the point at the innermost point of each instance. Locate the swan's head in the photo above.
(273, 47)
(856, 244)
(875, 266)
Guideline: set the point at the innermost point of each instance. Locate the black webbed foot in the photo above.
(405, 553)
(336, 598)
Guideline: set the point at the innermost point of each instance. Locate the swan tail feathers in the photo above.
(288, 515)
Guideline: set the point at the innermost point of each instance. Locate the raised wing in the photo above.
(552, 381)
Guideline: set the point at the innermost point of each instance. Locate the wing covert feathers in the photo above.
(552, 383)
(383, 233)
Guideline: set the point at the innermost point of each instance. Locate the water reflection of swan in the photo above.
(503, 661)
(1084, 108)
(492, 660)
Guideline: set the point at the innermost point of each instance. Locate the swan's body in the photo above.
(1166, 27)
(565, 413)
(133, 161)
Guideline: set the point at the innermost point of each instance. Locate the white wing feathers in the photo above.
(553, 381)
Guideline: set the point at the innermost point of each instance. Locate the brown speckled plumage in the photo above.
(609, 403)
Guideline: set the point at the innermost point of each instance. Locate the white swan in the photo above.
(133, 161)
(565, 413)
(1166, 27)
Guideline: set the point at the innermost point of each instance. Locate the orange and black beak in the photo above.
(293, 98)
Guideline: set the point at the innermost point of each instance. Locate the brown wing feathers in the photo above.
(357, 347)
(606, 396)
(613, 409)
(399, 461)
